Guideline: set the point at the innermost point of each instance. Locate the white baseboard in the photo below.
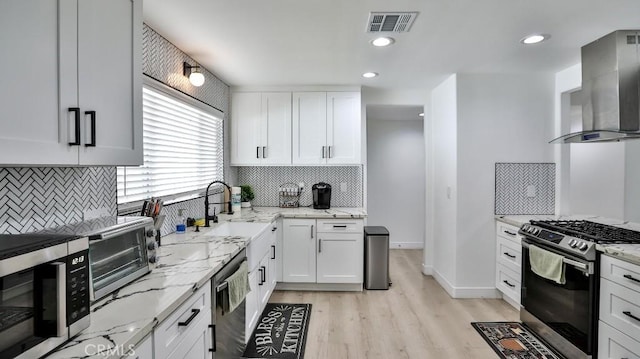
(465, 292)
(329, 287)
(406, 245)
(427, 269)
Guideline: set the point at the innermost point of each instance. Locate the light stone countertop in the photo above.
(185, 263)
(627, 252)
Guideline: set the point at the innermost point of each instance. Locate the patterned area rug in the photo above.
(510, 340)
(281, 332)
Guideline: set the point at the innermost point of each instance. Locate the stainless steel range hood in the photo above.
(610, 89)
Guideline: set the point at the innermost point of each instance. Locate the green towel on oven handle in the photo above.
(237, 288)
(547, 264)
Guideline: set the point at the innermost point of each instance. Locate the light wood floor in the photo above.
(415, 318)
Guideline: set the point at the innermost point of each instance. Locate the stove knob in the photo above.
(583, 246)
(150, 233)
(536, 231)
(524, 227)
(153, 259)
(573, 243)
(151, 245)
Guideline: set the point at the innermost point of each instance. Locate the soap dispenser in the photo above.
(181, 224)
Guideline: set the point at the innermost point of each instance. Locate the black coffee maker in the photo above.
(321, 195)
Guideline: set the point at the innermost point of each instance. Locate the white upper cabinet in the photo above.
(67, 64)
(261, 128)
(343, 128)
(309, 128)
(326, 128)
(110, 81)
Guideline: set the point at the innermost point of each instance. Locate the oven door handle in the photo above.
(586, 268)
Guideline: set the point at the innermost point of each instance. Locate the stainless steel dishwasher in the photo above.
(227, 328)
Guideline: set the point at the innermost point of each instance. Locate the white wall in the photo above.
(442, 195)
(501, 118)
(476, 121)
(396, 196)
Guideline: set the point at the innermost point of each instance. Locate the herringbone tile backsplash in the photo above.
(36, 198)
(512, 180)
(266, 181)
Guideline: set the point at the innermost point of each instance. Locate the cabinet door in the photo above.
(299, 251)
(246, 116)
(276, 128)
(110, 81)
(194, 346)
(252, 304)
(309, 128)
(343, 128)
(278, 231)
(340, 258)
(38, 69)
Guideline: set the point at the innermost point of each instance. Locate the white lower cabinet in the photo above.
(508, 262)
(185, 334)
(613, 343)
(322, 251)
(619, 327)
(262, 276)
(299, 251)
(144, 350)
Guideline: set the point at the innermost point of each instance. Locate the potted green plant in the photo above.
(246, 195)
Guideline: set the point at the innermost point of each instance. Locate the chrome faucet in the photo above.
(207, 218)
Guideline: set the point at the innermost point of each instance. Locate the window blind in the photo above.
(182, 147)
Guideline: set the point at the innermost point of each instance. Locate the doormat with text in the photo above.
(511, 340)
(281, 332)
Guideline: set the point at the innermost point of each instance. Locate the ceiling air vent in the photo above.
(391, 21)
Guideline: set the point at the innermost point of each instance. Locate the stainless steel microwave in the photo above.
(44, 292)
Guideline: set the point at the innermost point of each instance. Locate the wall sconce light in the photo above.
(193, 73)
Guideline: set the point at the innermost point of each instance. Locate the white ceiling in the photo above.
(323, 42)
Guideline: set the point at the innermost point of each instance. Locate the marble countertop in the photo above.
(185, 263)
(627, 252)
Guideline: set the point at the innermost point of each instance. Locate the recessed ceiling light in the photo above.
(534, 39)
(382, 41)
(369, 74)
(421, 114)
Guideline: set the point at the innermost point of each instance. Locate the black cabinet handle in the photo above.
(509, 255)
(92, 116)
(264, 151)
(258, 152)
(194, 313)
(264, 274)
(509, 233)
(273, 252)
(629, 277)
(340, 226)
(628, 314)
(76, 141)
(323, 156)
(509, 284)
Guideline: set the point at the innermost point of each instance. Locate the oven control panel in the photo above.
(544, 237)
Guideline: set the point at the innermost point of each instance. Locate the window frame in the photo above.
(134, 206)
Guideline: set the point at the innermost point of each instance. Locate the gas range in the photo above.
(578, 237)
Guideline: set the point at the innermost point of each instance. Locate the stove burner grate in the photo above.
(591, 231)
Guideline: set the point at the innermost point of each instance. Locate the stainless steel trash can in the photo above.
(376, 261)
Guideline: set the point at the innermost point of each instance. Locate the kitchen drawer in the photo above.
(621, 272)
(614, 344)
(620, 307)
(508, 282)
(508, 231)
(340, 226)
(509, 254)
(170, 334)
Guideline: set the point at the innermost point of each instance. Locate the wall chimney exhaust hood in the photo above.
(610, 89)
